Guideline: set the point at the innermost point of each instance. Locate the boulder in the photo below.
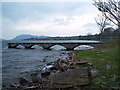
(45, 73)
(24, 81)
(70, 78)
(35, 78)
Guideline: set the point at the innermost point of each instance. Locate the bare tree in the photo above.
(102, 22)
(110, 9)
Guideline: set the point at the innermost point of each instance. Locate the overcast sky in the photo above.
(48, 18)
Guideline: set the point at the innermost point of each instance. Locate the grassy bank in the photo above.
(107, 55)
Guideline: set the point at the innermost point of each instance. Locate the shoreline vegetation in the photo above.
(93, 68)
(106, 61)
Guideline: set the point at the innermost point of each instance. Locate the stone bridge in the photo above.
(46, 45)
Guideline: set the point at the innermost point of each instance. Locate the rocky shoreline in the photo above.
(58, 74)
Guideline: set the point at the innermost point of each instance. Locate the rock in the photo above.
(51, 63)
(71, 62)
(98, 54)
(24, 81)
(94, 72)
(90, 64)
(74, 77)
(57, 65)
(45, 73)
(35, 78)
(103, 77)
(53, 68)
(47, 67)
(81, 62)
(108, 66)
(71, 54)
(44, 60)
(14, 85)
(64, 66)
(71, 67)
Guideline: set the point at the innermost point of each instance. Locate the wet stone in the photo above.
(24, 81)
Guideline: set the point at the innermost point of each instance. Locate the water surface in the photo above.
(22, 62)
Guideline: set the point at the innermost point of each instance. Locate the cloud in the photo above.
(52, 19)
(59, 25)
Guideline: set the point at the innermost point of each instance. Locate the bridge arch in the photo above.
(83, 47)
(36, 46)
(19, 46)
(57, 47)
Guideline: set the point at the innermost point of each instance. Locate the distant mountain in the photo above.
(27, 36)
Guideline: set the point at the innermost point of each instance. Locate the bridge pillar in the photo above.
(69, 46)
(46, 45)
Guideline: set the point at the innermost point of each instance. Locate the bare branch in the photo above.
(110, 9)
(102, 21)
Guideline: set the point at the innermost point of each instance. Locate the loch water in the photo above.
(18, 63)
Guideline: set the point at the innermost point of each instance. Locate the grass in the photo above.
(108, 54)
